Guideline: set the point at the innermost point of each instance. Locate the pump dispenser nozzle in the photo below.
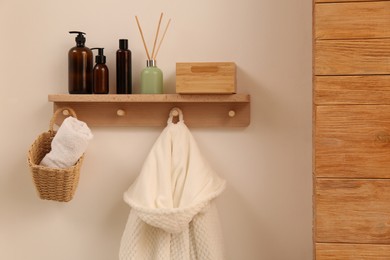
(100, 58)
(80, 39)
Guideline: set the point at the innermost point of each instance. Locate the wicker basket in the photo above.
(52, 183)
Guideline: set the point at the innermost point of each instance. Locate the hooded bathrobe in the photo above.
(173, 216)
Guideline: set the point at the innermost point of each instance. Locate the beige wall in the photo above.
(266, 210)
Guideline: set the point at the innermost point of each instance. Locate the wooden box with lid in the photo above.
(206, 78)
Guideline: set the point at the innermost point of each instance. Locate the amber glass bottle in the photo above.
(100, 74)
(123, 68)
(80, 67)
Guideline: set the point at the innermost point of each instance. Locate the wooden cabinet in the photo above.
(351, 107)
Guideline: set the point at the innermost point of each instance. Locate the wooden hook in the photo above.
(65, 112)
(175, 112)
(232, 113)
(120, 112)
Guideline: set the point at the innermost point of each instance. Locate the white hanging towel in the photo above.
(69, 144)
(173, 215)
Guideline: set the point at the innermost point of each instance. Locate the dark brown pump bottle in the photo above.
(100, 73)
(80, 62)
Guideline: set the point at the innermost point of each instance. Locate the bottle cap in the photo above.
(123, 44)
(151, 63)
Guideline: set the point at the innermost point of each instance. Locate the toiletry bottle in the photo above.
(100, 73)
(80, 67)
(123, 68)
(151, 79)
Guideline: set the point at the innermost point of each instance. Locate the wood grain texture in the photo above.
(352, 20)
(206, 77)
(156, 113)
(352, 141)
(353, 211)
(343, 1)
(333, 90)
(351, 129)
(153, 110)
(327, 251)
(150, 98)
(352, 57)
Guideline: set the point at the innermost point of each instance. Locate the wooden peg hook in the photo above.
(175, 112)
(120, 112)
(232, 113)
(65, 112)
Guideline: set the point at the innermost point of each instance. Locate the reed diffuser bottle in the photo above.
(152, 76)
(151, 79)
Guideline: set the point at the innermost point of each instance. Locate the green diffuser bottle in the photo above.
(151, 79)
(152, 76)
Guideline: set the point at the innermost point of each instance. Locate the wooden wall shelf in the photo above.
(153, 110)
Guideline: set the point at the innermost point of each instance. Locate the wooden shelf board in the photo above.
(152, 110)
(202, 98)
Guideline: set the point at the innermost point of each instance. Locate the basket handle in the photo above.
(57, 112)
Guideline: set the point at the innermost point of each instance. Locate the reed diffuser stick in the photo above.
(155, 39)
(143, 39)
(159, 45)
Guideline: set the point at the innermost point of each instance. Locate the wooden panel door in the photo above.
(352, 20)
(352, 57)
(353, 211)
(331, 251)
(352, 141)
(350, 90)
(342, 1)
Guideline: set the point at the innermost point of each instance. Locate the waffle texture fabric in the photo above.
(173, 214)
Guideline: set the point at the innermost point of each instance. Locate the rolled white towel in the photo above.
(68, 145)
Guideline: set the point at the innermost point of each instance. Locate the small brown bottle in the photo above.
(80, 67)
(100, 73)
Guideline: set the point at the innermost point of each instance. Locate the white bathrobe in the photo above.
(173, 216)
